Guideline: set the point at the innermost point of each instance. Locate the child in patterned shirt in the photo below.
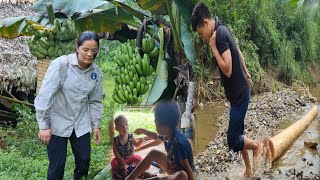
(123, 149)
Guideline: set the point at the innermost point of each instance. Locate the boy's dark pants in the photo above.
(236, 125)
(57, 152)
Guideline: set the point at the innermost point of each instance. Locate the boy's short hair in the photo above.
(199, 13)
(167, 113)
(118, 119)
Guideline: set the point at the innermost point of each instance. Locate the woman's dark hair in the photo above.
(200, 12)
(87, 35)
(167, 114)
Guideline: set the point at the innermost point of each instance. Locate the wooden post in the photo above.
(279, 143)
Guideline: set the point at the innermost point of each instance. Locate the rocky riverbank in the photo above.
(264, 115)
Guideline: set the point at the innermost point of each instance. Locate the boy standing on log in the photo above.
(235, 78)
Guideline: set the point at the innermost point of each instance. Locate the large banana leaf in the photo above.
(185, 7)
(68, 7)
(12, 23)
(160, 83)
(157, 7)
(161, 78)
(138, 14)
(110, 20)
(186, 38)
(73, 7)
(15, 26)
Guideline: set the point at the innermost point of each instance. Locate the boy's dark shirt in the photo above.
(178, 149)
(236, 87)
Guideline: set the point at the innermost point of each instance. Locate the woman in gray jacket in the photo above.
(69, 107)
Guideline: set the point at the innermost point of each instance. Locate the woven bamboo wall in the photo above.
(42, 66)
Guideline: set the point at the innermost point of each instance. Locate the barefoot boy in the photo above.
(235, 78)
(179, 160)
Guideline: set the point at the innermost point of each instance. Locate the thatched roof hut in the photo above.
(16, 1)
(17, 65)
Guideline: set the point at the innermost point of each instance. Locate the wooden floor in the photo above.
(144, 150)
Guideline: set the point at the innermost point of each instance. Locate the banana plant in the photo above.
(114, 15)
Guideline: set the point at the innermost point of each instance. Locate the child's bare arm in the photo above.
(137, 141)
(117, 155)
(150, 134)
(187, 168)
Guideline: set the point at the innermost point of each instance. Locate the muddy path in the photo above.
(267, 115)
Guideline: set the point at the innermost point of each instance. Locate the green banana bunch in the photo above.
(149, 47)
(53, 41)
(131, 74)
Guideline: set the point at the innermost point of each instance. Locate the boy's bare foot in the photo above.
(248, 173)
(256, 155)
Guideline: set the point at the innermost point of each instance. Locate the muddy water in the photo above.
(315, 91)
(206, 127)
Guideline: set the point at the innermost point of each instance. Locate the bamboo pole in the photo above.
(276, 145)
(7, 113)
(10, 94)
(7, 116)
(16, 101)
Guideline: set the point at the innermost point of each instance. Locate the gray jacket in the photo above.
(71, 99)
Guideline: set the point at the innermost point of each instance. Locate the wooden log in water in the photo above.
(279, 143)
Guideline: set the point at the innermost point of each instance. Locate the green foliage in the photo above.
(25, 113)
(252, 60)
(290, 69)
(202, 66)
(275, 86)
(105, 57)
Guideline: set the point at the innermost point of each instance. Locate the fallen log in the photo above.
(276, 145)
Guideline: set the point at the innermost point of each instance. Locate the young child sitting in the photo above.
(179, 160)
(123, 148)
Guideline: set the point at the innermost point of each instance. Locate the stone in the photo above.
(310, 144)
